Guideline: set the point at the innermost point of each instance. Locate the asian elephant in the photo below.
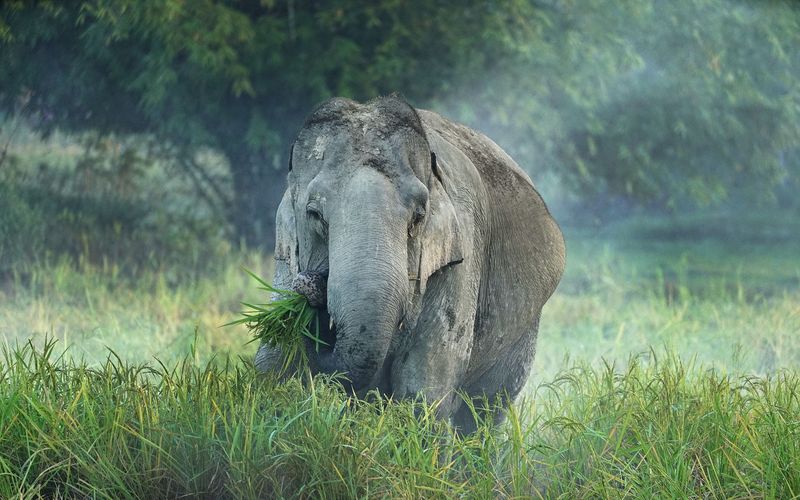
(438, 251)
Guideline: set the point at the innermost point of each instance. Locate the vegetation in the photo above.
(256, 68)
(106, 200)
(655, 428)
(648, 103)
(198, 421)
(286, 321)
(659, 104)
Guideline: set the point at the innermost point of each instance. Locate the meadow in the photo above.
(666, 366)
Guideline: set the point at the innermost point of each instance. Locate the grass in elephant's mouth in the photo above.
(282, 322)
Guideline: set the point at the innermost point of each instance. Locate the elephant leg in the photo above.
(498, 387)
(435, 353)
(410, 380)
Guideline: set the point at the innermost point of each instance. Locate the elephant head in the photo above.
(368, 208)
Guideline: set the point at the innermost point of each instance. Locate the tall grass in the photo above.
(657, 428)
(711, 411)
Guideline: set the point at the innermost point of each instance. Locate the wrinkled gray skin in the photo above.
(438, 250)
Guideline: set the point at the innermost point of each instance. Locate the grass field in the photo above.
(666, 366)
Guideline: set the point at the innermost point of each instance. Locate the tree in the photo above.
(663, 103)
(236, 76)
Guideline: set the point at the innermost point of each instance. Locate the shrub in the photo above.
(22, 229)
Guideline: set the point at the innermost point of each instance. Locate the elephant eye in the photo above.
(313, 210)
(315, 214)
(419, 216)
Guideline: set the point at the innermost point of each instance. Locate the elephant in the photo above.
(434, 248)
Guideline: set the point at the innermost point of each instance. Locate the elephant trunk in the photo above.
(367, 290)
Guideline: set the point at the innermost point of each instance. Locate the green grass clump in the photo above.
(282, 322)
(657, 428)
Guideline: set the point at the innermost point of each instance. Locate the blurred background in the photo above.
(143, 152)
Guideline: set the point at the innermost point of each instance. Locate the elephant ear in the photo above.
(268, 358)
(285, 244)
(440, 242)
